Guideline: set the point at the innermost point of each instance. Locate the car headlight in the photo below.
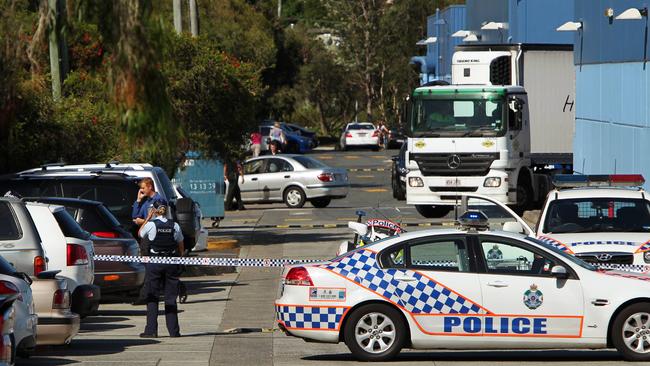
(492, 182)
(416, 182)
(646, 257)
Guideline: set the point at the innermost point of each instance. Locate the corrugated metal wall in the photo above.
(612, 92)
(454, 17)
(535, 21)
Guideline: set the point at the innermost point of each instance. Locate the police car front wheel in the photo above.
(631, 332)
(375, 332)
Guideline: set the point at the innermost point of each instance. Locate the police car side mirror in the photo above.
(559, 272)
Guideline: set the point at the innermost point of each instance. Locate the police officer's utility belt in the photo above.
(163, 253)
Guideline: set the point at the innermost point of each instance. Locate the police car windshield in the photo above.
(589, 215)
(564, 255)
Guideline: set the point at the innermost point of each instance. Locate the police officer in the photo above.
(164, 239)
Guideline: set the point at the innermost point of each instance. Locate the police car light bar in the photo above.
(474, 219)
(612, 180)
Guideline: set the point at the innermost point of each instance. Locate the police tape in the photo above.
(281, 262)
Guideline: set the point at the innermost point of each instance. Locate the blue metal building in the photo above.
(612, 90)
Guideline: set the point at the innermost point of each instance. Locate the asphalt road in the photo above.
(229, 317)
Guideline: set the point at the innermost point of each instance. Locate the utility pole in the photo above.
(279, 9)
(55, 61)
(178, 16)
(194, 19)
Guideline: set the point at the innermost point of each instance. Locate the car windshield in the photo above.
(309, 163)
(481, 115)
(564, 255)
(590, 215)
(358, 126)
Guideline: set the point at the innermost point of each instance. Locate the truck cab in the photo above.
(466, 139)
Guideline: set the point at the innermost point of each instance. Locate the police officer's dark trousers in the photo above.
(159, 277)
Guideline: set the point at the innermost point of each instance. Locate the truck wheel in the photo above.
(631, 332)
(433, 212)
(321, 202)
(401, 192)
(524, 197)
(375, 332)
(294, 197)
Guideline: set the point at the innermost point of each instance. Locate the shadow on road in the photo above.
(523, 356)
(83, 347)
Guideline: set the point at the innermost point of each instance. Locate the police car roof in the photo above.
(597, 192)
(446, 231)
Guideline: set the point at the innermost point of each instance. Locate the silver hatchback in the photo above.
(292, 179)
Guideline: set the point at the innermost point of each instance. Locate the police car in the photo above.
(464, 288)
(603, 219)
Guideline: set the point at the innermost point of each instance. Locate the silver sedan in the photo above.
(292, 179)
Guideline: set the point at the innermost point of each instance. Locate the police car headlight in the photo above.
(416, 182)
(492, 182)
(646, 257)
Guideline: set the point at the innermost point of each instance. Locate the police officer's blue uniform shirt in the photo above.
(141, 209)
(149, 230)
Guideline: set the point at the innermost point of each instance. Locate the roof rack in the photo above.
(49, 165)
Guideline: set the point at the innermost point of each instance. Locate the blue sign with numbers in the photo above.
(203, 180)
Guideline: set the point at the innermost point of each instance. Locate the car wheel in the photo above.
(631, 332)
(433, 212)
(375, 332)
(294, 197)
(321, 202)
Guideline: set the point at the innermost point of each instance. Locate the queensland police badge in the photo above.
(533, 298)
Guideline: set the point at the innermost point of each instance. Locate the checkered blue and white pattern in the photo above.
(204, 261)
(643, 247)
(310, 317)
(554, 243)
(423, 296)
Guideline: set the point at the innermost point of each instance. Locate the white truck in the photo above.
(502, 129)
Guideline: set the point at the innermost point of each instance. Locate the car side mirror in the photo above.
(559, 272)
(513, 227)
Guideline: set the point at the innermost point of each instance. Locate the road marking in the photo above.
(326, 157)
(374, 190)
(346, 218)
(297, 219)
(368, 170)
(365, 176)
(222, 244)
(242, 220)
(351, 157)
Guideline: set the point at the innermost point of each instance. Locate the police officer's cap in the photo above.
(159, 202)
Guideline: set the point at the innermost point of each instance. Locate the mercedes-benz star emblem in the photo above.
(604, 257)
(453, 161)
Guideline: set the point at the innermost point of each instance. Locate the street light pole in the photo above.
(178, 16)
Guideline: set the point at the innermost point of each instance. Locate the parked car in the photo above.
(14, 283)
(68, 249)
(7, 322)
(398, 174)
(114, 184)
(292, 179)
(396, 138)
(305, 133)
(359, 134)
(115, 279)
(295, 143)
(20, 242)
(57, 324)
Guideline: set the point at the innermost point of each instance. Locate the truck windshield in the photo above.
(461, 116)
(589, 215)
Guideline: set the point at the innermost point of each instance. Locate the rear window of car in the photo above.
(361, 127)
(69, 227)
(91, 220)
(8, 225)
(6, 268)
(166, 184)
(309, 163)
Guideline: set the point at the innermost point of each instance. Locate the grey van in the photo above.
(20, 243)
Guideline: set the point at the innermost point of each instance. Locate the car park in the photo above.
(295, 142)
(14, 283)
(602, 219)
(398, 174)
(292, 179)
(57, 324)
(359, 134)
(117, 280)
(68, 249)
(114, 184)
